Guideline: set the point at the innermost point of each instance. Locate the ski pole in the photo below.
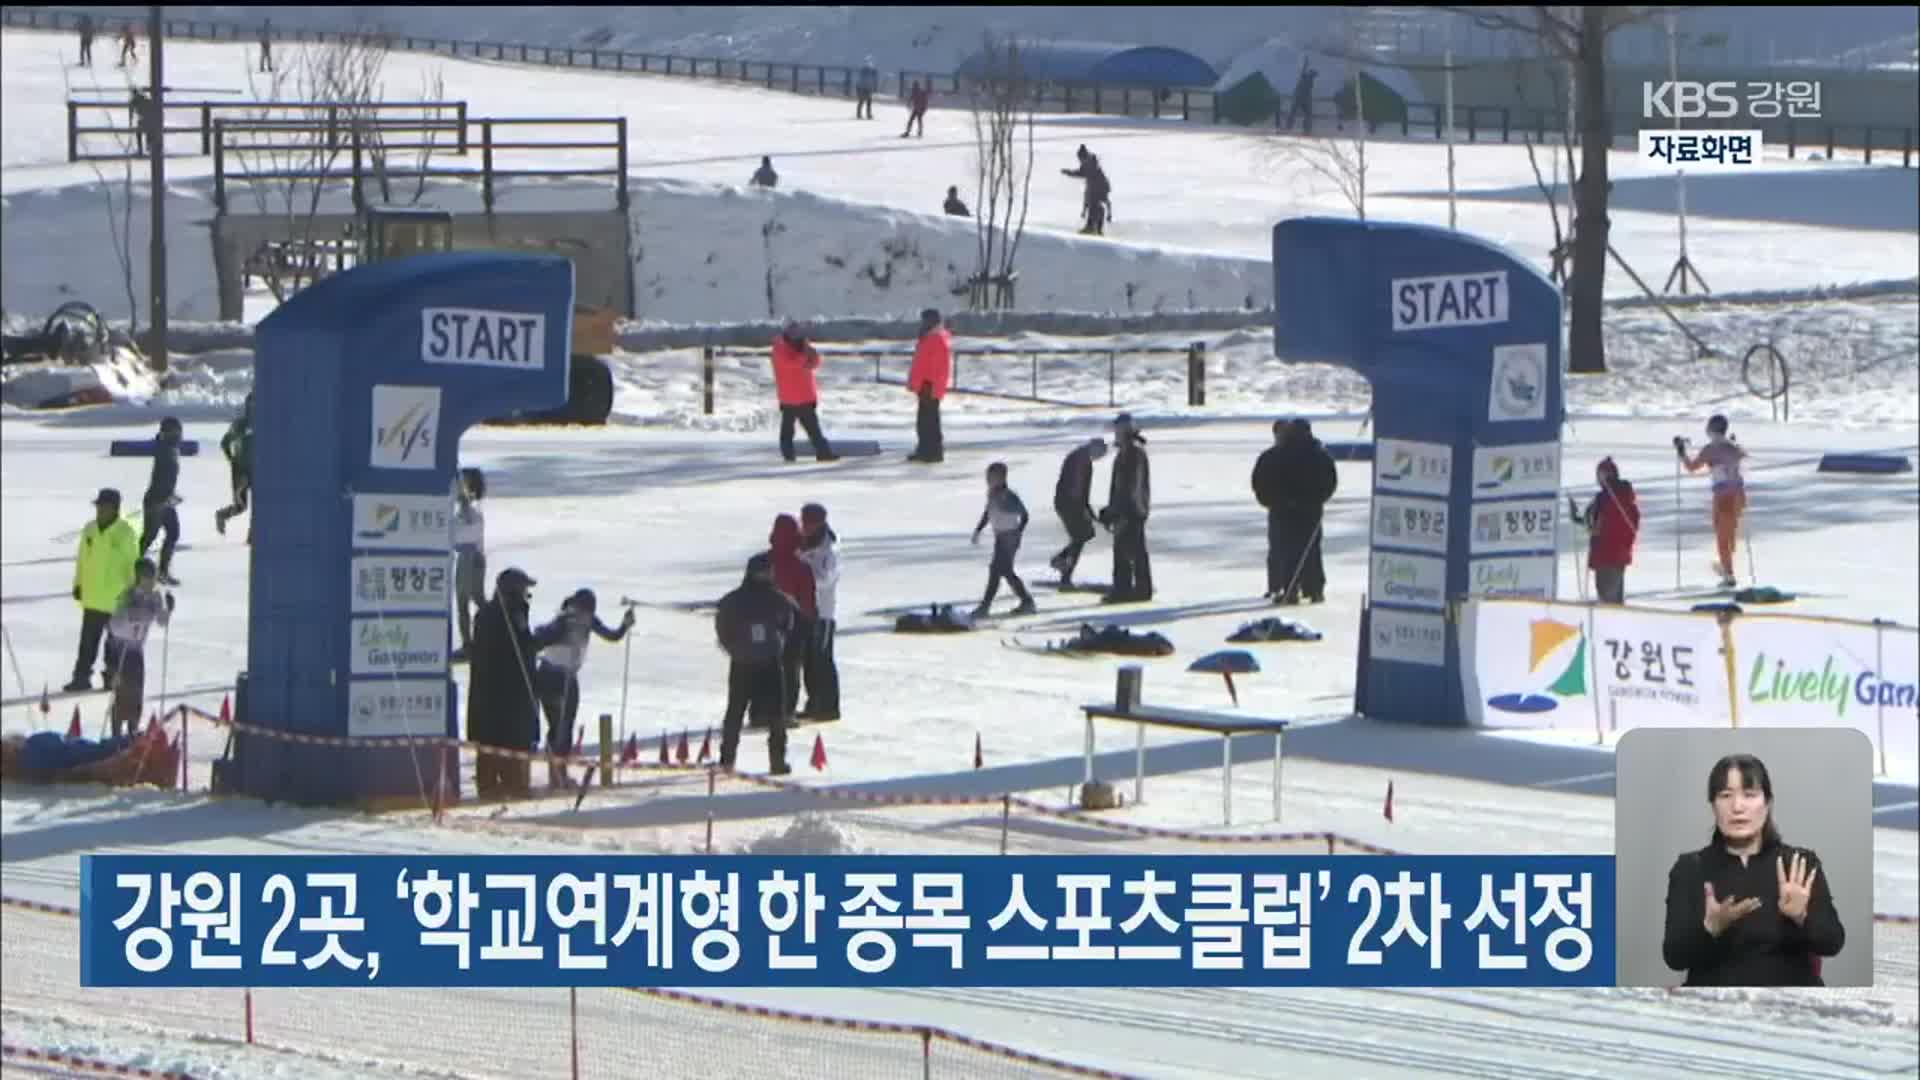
(166, 637)
(1753, 574)
(626, 669)
(1679, 526)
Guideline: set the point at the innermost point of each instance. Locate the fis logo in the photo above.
(406, 425)
(1689, 100)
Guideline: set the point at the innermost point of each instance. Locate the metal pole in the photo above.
(1453, 210)
(1679, 526)
(1879, 699)
(157, 196)
(1679, 175)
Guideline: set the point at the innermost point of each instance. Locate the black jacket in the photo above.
(1130, 494)
(1764, 949)
(1074, 490)
(500, 707)
(1295, 478)
(755, 623)
(166, 471)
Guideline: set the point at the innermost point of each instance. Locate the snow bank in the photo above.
(807, 834)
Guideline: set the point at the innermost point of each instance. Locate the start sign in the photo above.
(477, 338)
(1430, 303)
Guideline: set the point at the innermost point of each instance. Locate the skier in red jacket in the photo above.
(792, 575)
(1613, 521)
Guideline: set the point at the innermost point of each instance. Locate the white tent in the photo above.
(1279, 62)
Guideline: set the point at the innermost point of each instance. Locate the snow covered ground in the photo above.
(667, 505)
(1190, 192)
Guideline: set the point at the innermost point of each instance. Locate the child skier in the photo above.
(1613, 521)
(557, 676)
(818, 551)
(141, 606)
(1722, 456)
(237, 444)
(469, 554)
(1008, 516)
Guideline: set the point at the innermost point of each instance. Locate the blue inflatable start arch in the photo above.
(363, 384)
(1460, 340)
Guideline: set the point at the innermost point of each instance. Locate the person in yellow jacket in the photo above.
(102, 574)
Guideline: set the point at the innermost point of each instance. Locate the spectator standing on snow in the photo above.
(140, 607)
(85, 27)
(237, 445)
(917, 101)
(792, 575)
(266, 46)
(1302, 106)
(1612, 519)
(794, 362)
(928, 380)
(502, 709)
(1129, 501)
(102, 573)
(1073, 502)
(556, 674)
(1293, 480)
(469, 553)
(1722, 456)
(864, 86)
(764, 176)
(755, 625)
(953, 207)
(139, 119)
(819, 551)
(129, 48)
(160, 504)
(1008, 516)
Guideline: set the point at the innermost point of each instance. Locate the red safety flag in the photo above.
(666, 755)
(680, 755)
(73, 725)
(706, 746)
(819, 752)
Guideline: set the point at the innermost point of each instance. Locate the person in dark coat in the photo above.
(764, 176)
(502, 708)
(1748, 910)
(1302, 108)
(1129, 501)
(1097, 195)
(1293, 479)
(556, 675)
(917, 101)
(756, 625)
(953, 207)
(161, 501)
(266, 45)
(237, 445)
(1073, 502)
(85, 27)
(866, 83)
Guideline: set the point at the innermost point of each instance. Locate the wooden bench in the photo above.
(1225, 725)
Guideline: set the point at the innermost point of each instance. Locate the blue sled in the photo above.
(144, 448)
(1874, 464)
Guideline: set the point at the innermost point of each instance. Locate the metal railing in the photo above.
(237, 144)
(422, 116)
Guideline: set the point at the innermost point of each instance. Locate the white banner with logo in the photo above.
(1793, 672)
(1600, 669)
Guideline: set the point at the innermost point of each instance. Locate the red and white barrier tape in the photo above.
(878, 1027)
(75, 1061)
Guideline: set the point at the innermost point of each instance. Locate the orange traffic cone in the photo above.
(73, 725)
(680, 753)
(819, 759)
(1388, 808)
(978, 760)
(706, 746)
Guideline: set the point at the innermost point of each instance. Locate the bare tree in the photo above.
(288, 154)
(1001, 100)
(118, 194)
(433, 88)
(1577, 37)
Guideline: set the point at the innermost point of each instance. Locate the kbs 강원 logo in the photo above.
(1548, 643)
(406, 425)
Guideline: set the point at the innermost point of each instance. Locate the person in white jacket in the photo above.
(140, 607)
(822, 676)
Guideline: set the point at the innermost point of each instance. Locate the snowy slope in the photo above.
(1175, 188)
